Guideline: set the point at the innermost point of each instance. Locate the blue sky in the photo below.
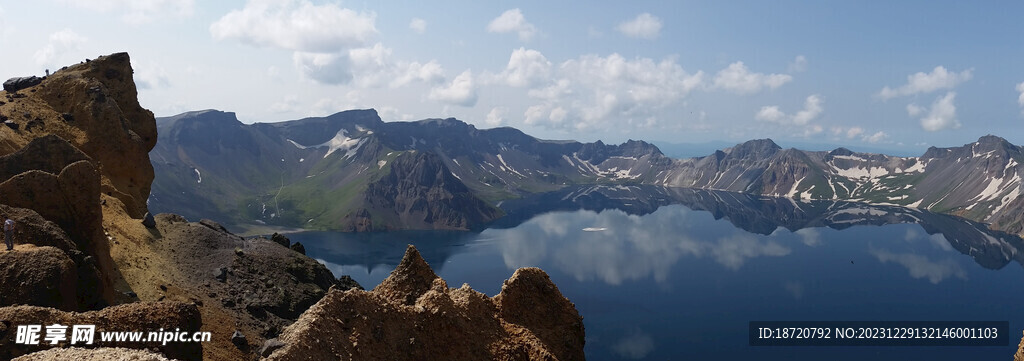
(870, 75)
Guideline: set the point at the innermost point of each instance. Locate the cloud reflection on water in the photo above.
(921, 266)
(631, 247)
(635, 345)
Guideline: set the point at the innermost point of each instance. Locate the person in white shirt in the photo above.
(8, 232)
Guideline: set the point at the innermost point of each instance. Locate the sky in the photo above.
(900, 76)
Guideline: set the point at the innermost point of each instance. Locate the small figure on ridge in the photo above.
(8, 232)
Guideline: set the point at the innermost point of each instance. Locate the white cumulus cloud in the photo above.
(812, 109)
(297, 25)
(920, 82)
(737, 78)
(496, 116)
(913, 110)
(875, 138)
(941, 115)
(62, 46)
(644, 26)
(138, 11)
(461, 91)
(150, 76)
(596, 92)
(513, 21)
(526, 67)
(326, 68)
(799, 64)
(418, 25)
(430, 72)
(1020, 98)
(770, 114)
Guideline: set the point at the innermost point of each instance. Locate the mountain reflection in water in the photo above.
(677, 273)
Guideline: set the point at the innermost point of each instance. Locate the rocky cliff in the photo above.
(419, 192)
(75, 175)
(417, 317)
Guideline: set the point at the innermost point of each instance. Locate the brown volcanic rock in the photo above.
(70, 198)
(93, 354)
(77, 140)
(410, 279)
(531, 300)
(41, 276)
(38, 237)
(255, 286)
(48, 153)
(413, 315)
(1019, 356)
(143, 317)
(112, 127)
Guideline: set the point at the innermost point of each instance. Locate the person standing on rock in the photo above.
(8, 232)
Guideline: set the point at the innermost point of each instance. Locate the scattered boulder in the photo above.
(11, 124)
(239, 340)
(413, 315)
(298, 247)
(213, 225)
(18, 83)
(149, 221)
(221, 274)
(280, 239)
(270, 346)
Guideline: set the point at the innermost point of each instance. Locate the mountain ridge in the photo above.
(504, 163)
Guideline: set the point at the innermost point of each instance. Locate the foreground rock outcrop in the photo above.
(131, 317)
(413, 315)
(98, 354)
(75, 151)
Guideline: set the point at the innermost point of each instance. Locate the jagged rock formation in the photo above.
(130, 317)
(77, 149)
(413, 315)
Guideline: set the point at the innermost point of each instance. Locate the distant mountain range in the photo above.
(351, 171)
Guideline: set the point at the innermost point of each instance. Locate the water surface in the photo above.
(677, 274)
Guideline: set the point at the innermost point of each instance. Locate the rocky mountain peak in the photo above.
(638, 148)
(410, 279)
(840, 151)
(757, 148)
(446, 122)
(990, 142)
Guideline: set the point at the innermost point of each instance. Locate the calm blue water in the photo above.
(671, 282)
